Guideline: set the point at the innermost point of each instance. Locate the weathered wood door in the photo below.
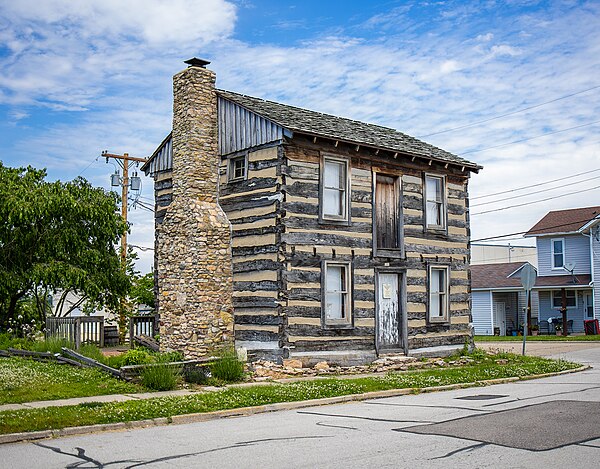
(386, 213)
(389, 325)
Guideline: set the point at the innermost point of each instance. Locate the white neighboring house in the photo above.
(502, 253)
(568, 259)
(498, 301)
(71, 300)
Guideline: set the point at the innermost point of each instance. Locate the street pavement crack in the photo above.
(428, 406)
(83, 458)
(323, 424)
(466, 449)
(375, 419)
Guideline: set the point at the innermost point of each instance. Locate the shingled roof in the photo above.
(325, 125)
(564, 221)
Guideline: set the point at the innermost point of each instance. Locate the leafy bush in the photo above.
(137, 357)
(161, 377)
(228, 367)
(8, 340)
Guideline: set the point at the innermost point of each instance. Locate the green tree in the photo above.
(57, 236)
(142, 290)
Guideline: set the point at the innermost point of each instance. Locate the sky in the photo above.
(511, 85)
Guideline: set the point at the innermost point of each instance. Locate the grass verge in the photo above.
(537, 338)
(485, 367)
(24, 380)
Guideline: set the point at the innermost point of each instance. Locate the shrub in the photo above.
(161, 377)
(228, 367)
(136, 357)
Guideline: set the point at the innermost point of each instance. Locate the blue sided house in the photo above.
(568, 264)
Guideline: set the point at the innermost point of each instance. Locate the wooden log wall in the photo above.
(254, 208)
(305, 243)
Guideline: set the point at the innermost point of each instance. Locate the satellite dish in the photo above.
(570, 266)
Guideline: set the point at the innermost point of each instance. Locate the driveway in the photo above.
(547, 423)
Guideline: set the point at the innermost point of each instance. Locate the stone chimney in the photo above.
(194, 262)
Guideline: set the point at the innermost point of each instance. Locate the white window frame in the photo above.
(231, 168)
(562, 241)
(441, 202)
(346, 321)
(574, 294)
(333, 218)
(444, 296)
(588, 298)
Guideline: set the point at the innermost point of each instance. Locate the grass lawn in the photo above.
(483, 367)
(542, 338)
(23, 380)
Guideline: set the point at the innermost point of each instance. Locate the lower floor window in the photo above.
(337, 294)
(438, 294)
(557, 298)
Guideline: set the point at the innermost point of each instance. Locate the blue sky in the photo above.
(80, 77)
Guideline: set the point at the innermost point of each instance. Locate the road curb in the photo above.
(261, 409)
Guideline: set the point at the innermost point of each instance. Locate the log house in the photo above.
(348, 239)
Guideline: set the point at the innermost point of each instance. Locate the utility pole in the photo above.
(123, 160)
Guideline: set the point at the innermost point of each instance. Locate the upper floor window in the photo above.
(337, 288)
(558, 253)
(387, 213)
(439, 302)
(238, 168)
(435, 202)
(335, 193)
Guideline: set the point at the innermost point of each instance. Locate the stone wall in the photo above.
(194, 263)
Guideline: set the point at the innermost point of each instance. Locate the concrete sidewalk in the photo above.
(540, 348)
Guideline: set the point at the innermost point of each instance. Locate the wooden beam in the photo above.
(395, 155)
(314, 139)
(357, 147)
(377, 152)
(413, 159)
(337, 143)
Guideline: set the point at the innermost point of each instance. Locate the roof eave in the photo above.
(471, 166)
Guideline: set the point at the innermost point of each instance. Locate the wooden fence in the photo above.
(143, 325)
(79, 330)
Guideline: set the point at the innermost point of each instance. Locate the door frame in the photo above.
(494, 310)
(403, 322)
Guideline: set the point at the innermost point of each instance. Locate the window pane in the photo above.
(558, 247)
(335, 175)
(333, 202)
(436, 285)
(434, 189)
(435, 305)
(433, 214)
(334, 306)
(558, 260)
(334, 278)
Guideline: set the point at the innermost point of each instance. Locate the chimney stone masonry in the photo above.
(194, 263)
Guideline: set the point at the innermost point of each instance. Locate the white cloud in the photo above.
(115, 66)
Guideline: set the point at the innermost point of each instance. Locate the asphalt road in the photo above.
(547, 423)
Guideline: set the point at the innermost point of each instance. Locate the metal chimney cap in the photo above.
(195, 62)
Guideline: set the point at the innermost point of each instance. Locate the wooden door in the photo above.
(389, 325)
(386, 213)
(500, 317)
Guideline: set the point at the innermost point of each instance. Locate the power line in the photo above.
(532, 193)
(540, 230)
(530, 138)
(535, 185)
(536, 201)
(509, 113)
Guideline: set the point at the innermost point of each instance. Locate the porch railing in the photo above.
(79, 330)
(143, 325)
